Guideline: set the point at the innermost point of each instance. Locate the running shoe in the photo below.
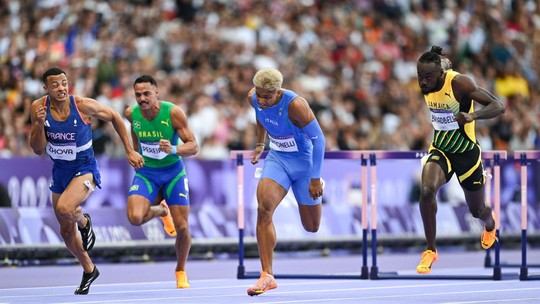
(265, 283)
(181, 280)
(488, 238)
(428, 258)
(87, 234)
(87, 279)
(168, 223)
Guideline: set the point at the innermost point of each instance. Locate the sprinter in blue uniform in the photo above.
(294, 162)
(61, 128)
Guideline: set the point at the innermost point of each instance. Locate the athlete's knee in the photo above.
(264, 214)
(182, 230)
(136, 219)
(65, 211)
(427, 194)
(311, 226)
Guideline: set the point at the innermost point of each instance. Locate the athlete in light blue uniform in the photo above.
(294, 162)
(61, 127)
(290, 159)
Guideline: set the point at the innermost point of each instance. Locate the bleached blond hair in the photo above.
(269, 79)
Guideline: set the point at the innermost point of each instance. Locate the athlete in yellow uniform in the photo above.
(449, 96)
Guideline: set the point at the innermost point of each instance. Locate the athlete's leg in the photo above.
(310, 216)
(140, 211)
(180, 216)
(433, 178)
(144, 196)
(269, 196)
(69, 214)
(310, 209)
(476, 202)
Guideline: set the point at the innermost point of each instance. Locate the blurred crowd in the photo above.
(353, 60)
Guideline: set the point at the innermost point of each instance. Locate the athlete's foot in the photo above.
(181, 280)
(428, 258)
(488, 238)
(168, 223)
(86, 281)
(265, 283)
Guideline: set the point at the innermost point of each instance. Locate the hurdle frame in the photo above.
(375, 274)
(524, 157)
(239, 156)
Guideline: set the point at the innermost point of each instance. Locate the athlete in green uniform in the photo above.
(156, 129)
(454, 149)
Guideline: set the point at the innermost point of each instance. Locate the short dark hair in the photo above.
(52, 72)
(145, 78)
(433, 55)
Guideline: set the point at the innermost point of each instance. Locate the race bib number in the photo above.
(443, 120)
(66, 151)
(151, 150)
(283, 144)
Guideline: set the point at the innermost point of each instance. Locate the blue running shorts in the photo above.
(292, 171)
(172, 180)
(62, 176)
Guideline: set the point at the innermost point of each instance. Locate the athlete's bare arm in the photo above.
(180, 124)
(261, 133)
(300, 113)
(466, 90)
(134, 138)
(91, 108)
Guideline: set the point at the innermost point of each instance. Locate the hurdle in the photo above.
(239, 156)
(375, 274)
(524, 157)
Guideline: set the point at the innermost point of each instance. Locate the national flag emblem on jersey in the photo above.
(137, 124)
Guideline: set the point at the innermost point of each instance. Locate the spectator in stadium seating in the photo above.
(61, 128)
(156, 130)
(449, 96)
(205, 48)
(297, 147)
